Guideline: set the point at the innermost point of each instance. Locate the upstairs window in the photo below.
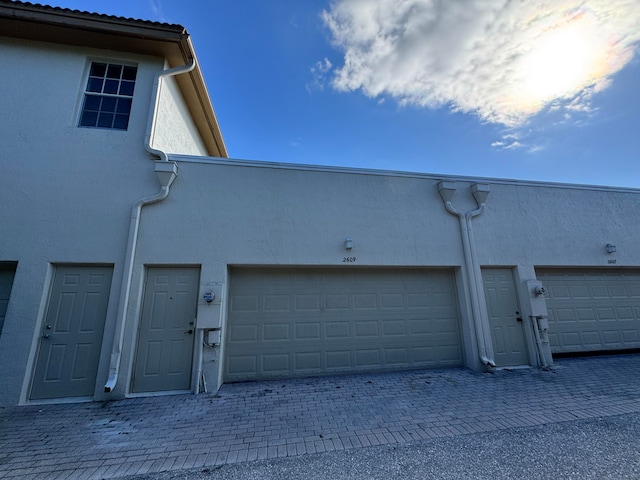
(108, 96)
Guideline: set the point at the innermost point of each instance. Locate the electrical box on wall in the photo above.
(213, 337)
(537, 297)
(209, 305)
(208, 316)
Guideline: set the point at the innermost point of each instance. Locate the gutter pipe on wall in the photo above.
(473, 274)
(153, 108)
(166, 172)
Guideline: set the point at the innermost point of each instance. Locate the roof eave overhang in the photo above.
(172, 42)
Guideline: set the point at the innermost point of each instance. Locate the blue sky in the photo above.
(545, 90)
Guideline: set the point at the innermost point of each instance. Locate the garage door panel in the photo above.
(276, 363)
(585, 315)
(245, 303)
(367, 358)
(300, 323)
(337, 330)
(608, 315)
(447, 355)
(396, 356)
(276, 303)
(338, 360)
(337, 302)
(391, 301)
(309, 361)
(394, 328)
(625, 313)
(618, 291)
(275, 332)
(592, 339)
(562, 314)
(571, 340)
(242, 365)
(591, 310)
(366, 329)
(631, 335)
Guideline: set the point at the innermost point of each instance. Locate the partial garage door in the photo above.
(592, 310)
(301, 322)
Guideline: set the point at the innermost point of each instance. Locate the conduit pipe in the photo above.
(473, 275)
(166, 172)
(199, 373)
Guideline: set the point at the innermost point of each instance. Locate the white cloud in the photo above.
(319, 71)
(509, 141)
(158, 11)
(504, 60)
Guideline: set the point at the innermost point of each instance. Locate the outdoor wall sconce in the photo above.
(348, 244)
(611, 248)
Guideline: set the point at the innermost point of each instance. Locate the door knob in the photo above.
(189, 332)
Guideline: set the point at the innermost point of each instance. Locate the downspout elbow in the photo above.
(487, 362)
(451, 209)
(153, 107)
(476, 212)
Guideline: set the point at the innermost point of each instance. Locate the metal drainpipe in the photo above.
(474, 278)
(153, 108)
(482, 320)
(166, 178)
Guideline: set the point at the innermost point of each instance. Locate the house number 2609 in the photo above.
(348, 259)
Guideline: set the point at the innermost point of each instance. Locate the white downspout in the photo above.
(123, 305)
(471, 267)
(481, 320)
(166, 172)
(153, 108)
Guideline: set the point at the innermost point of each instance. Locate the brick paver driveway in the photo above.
(258, 420)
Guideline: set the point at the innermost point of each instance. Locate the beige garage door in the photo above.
(592, 310)
(295, 322)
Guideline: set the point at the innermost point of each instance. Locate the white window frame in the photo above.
(107, 95)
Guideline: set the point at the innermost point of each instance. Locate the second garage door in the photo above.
(301, 322)
(592, 310)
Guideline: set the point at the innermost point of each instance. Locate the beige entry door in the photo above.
(509, 345)
(71, 337)
(164, 354)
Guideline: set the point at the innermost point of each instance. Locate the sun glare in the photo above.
(562, 61)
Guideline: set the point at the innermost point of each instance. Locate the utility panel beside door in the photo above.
(164, 353)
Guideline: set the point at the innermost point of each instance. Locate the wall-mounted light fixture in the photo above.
(348, 244)
(611, 248)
